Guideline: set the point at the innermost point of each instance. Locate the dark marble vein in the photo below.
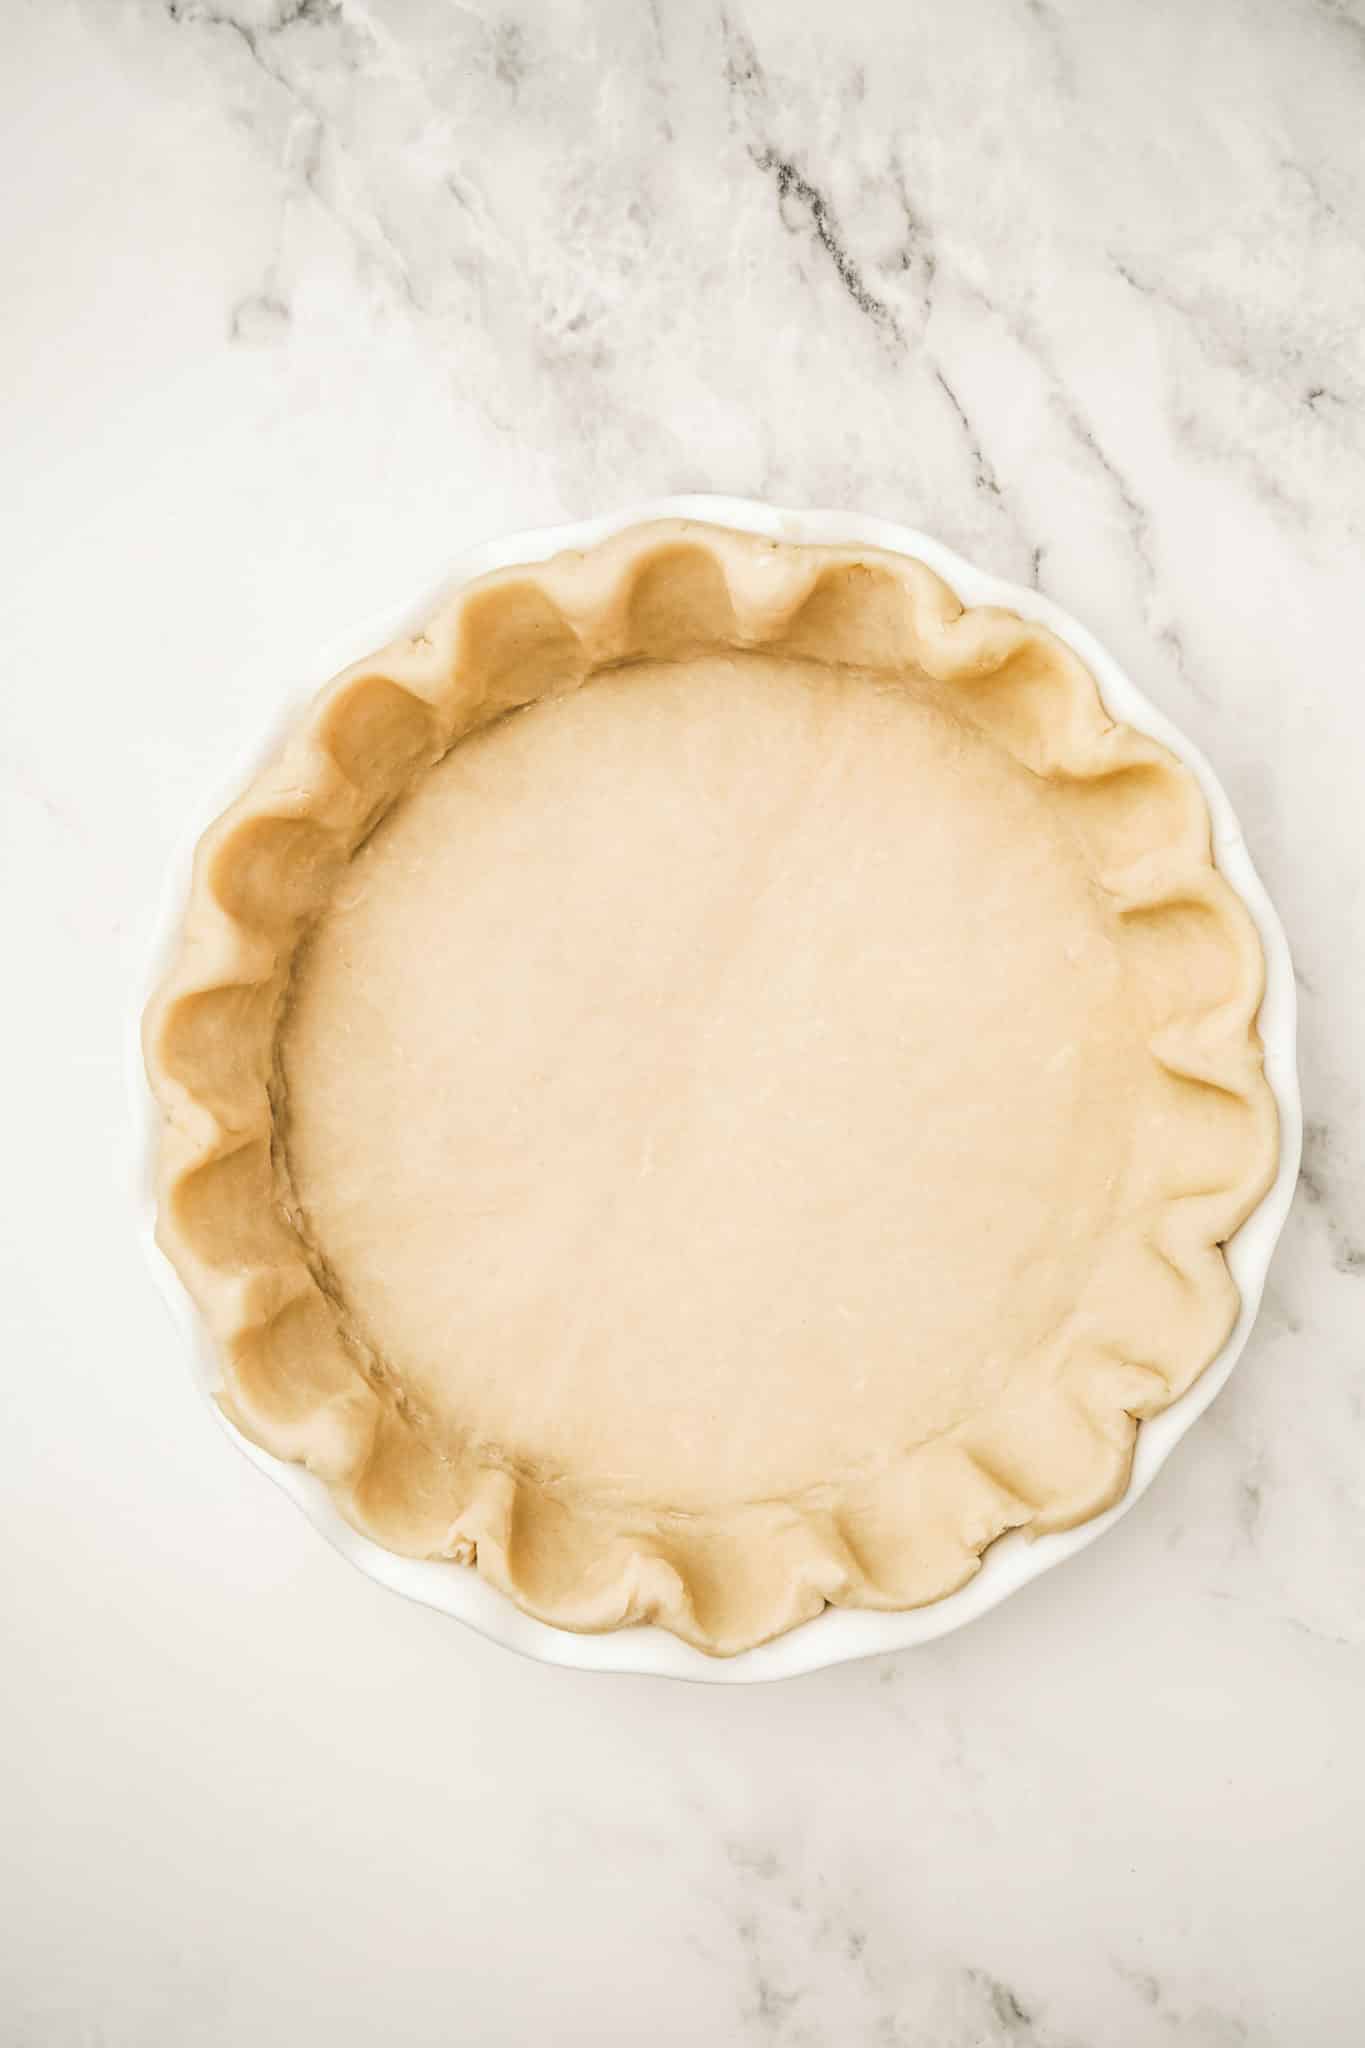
(263, 43)
(1294, 372)
(1006, 2007)
(1137, 520)
(1340, 16)
(1335, 1638)
(1318, 1178)
(1196, 2022)
(983, 473)
(256, 34)
(918, 257)
(803, 205)
(794, 186)
(1055, 41)
(259, 318)
(510, 60)
(744, 75)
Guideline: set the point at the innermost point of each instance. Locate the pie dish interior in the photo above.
(711, 1081)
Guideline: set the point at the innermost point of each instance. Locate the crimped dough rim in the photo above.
(297, 1382)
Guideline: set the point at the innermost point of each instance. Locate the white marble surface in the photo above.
(300, 295)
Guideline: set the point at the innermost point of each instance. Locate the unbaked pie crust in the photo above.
(711, 1081)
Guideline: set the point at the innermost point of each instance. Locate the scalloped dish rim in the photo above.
(838, 1633)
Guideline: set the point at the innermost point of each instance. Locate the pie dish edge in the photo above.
(232, 949)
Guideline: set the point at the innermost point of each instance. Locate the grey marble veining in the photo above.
(301, 296)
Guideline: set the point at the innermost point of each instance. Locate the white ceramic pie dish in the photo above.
(838, 1634)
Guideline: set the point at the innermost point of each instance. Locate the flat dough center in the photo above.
(712, 1083)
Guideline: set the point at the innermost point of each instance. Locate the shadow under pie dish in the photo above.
(710, 1081)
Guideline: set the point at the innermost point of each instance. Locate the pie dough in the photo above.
(711, 1081)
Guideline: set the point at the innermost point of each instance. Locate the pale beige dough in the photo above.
(711, 1081)
(714, 1082)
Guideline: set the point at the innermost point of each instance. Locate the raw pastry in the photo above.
(709, 1082)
